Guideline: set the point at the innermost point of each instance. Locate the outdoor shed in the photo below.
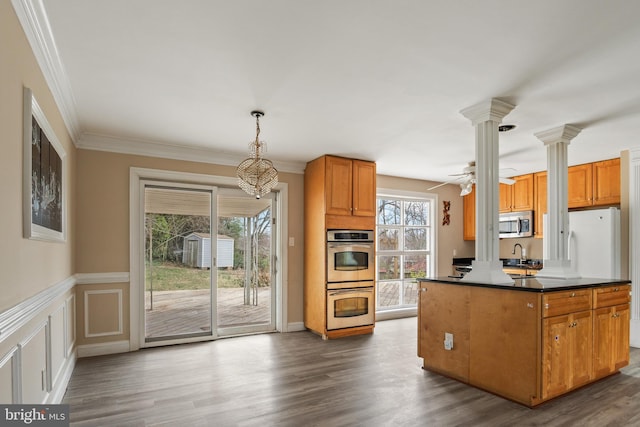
(196, 251)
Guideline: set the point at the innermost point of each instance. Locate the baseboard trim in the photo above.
(396, 314)
(57, 394)
(101, 349)
(295, 327)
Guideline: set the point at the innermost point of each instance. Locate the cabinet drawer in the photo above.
(611, 295)
(565, 302)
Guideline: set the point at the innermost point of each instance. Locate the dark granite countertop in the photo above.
(535, 284)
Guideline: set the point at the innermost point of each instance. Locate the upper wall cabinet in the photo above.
(594, 184)
(350, 187)
(518, 196)
(580, 186)
(606, 182)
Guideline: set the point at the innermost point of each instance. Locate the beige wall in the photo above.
(103, 217)
(27, 266)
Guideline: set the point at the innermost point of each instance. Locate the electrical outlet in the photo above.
(448, 341)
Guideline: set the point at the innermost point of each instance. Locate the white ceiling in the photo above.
(371, 79)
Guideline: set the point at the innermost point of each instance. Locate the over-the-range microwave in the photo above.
(516, 224)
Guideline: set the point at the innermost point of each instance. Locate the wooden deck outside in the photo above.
(184, 312)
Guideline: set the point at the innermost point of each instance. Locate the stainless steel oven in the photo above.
(350, 255)
(347, 308)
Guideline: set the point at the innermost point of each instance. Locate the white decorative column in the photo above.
(556, 233)
(634, 243)
(487, 267)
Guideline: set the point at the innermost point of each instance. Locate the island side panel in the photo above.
(505, 346)
(444, 309)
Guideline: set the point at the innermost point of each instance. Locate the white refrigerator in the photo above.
(594, 243)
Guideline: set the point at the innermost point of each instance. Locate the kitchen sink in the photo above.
(513, 262)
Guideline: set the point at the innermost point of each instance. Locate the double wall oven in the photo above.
(350, 278)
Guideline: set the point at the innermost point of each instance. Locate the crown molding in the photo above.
(89, 141)
(33, 18)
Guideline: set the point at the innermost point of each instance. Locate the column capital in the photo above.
(492, 109)
(564, 133)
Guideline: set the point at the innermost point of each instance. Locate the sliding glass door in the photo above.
(206, 275)
(178, 261)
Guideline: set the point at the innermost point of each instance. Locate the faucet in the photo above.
(523, 256)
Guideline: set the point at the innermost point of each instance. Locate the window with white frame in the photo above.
(404, 248)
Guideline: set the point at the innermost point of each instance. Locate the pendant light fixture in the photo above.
(256, 175)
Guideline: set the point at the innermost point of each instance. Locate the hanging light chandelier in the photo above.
(256, 175)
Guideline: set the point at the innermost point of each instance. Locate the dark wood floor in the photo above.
(296, 379)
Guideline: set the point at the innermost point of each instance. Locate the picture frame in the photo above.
(44, 176)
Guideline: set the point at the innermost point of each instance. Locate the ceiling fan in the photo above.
(469, 176)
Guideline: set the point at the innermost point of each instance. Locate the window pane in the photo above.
(410, 292)
(415, 266)
(388, 267)
(388, 294)
(388, 212)
(415, 213)
(388, 239)
(415, 239)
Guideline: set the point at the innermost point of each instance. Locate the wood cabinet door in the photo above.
(506, 198)
(610, 339)
(580, 186)
(522, 193)
(602, 342)
(339, 185)
(364, 188)
(539, 203)
(606, 182)
(469, 215)
(582, 348)
(556, 356)
(567, 352)
(621, 333)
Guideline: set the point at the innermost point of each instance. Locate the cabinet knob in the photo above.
(573, 294)
(616, 289)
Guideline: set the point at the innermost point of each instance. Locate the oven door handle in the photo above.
(362, 246)
(350, 291)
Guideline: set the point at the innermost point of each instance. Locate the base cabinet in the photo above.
(611, 339)
(528, 347)
(567, 361)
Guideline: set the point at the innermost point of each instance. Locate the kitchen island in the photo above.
(529, 341)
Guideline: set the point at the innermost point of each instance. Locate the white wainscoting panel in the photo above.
(9, 391)
(70, 324)
(96, 299)
(57, 351)
(38, 335)
(33, 366)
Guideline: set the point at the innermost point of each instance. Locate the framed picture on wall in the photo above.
(44, 187)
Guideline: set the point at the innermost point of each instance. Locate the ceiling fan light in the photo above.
(465, 188)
